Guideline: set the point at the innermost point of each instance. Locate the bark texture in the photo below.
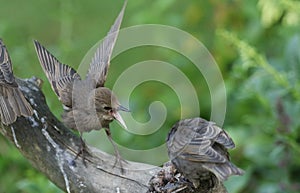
(51, 148)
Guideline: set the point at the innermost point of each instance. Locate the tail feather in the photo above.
(7, 114)
(223, 171)
(12, 105)
(24, 107)
(13, 101)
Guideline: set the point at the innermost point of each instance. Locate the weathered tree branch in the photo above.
(51, 148)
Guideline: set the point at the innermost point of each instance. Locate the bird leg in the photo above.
(83, 150)
(119, 158)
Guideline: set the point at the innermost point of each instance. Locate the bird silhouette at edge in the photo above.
(12, 101)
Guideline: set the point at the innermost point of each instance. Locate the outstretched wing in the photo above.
(60, 76)
(101, 60)
(12, 101)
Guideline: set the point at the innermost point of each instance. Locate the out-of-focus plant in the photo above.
(286, 11)
(270, 127)
(262, 81)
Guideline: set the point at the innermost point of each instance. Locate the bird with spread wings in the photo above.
(88, 105)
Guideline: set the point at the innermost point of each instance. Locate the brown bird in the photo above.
(88, 105)
(12, 102)
(198, 149)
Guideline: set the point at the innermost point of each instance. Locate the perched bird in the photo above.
(12, 102)
(88, 105)
(198, 149)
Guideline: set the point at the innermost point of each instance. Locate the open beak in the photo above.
(118, 117)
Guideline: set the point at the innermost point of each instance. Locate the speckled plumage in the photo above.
(198, 149)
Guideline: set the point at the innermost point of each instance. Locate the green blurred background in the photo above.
(255, 43)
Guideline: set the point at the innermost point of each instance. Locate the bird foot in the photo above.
(83, 152)
(119, 161)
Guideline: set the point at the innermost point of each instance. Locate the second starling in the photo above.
(198, 149)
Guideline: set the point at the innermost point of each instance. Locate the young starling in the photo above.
(12, 102)
(198, 149)
(88, 105)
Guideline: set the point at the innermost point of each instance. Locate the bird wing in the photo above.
(210, 144)
(101, 60)
(196, 141)
(12, 101)
(6, 74)
(60, 76)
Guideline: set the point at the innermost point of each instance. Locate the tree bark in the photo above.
(51, 148)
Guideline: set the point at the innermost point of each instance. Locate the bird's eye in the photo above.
(107, 108)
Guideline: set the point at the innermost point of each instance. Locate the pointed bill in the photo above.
(118, 117)
(121, 108)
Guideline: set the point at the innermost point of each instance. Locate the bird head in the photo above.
(107, 106)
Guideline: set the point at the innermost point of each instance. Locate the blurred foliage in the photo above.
(255, 43)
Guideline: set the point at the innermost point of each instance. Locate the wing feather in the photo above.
(196, 146)
(6, 73)
(60, 76)
(101, 60)
(199, 140)
(12, 100)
